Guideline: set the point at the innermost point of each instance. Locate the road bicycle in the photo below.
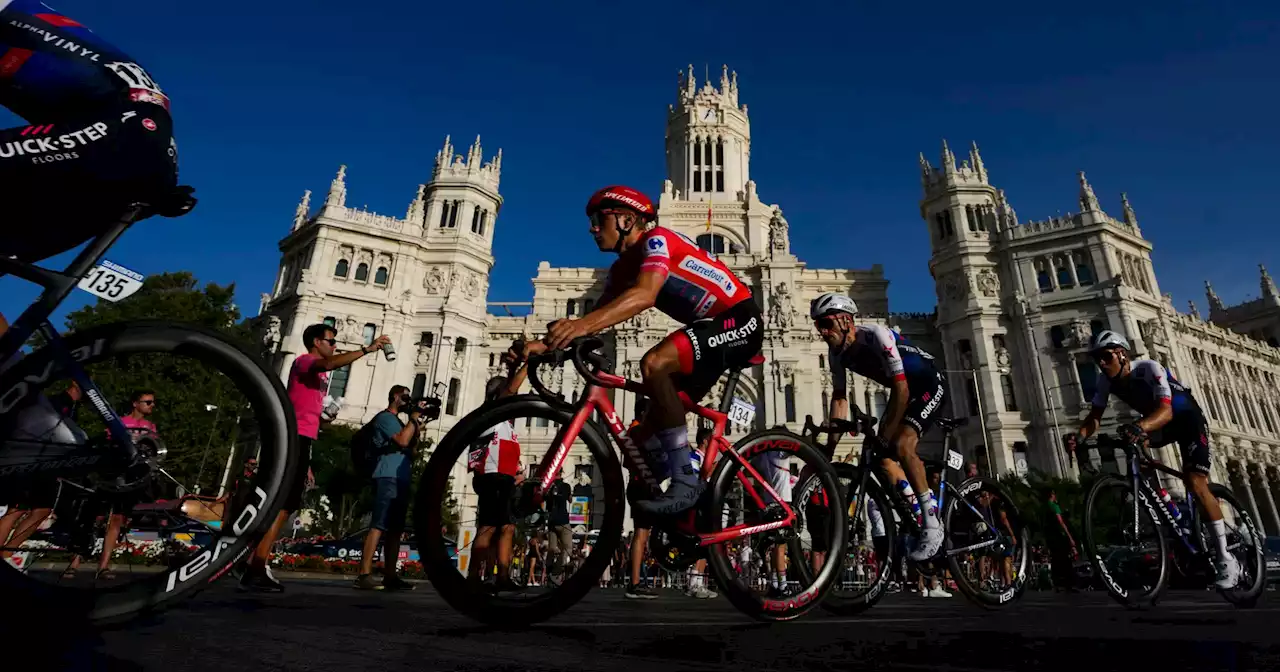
(971, 518)
(1126, 538)
(112, 466)
(701, 532)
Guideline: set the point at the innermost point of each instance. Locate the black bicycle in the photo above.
(111, 470)
(977, 516)
(1125, 526)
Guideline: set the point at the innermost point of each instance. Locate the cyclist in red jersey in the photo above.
(659, 268)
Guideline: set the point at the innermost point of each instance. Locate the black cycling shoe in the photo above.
(175, 203)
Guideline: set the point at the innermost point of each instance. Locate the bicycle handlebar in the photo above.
(865, 424)
(581, 351)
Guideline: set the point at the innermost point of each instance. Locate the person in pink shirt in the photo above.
(142, 405)
(308, 382)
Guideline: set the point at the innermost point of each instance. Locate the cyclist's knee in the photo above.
(662, 360)
(905, 442)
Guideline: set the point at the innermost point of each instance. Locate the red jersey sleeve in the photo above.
(657, 253)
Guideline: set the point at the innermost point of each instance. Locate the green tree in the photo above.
(198, 410)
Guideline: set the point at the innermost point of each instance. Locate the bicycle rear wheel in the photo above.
(868, 556)
(974, 526)
(1244, 540)
(257, 394)
(725, 492)
(1125, 542)
(433, 490)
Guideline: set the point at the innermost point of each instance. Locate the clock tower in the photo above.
(708, 140)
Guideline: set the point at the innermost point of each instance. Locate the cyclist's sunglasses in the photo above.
(597, 218)
(825, 322)
(330, 341)
(1104, 356)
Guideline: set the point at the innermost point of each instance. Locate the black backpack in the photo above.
(364, 457)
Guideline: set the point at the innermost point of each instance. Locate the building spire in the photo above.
(417, 207)
(1088, 200)
(304, 208)
(444, 156)
(926, 170)
(1130, 217)
(338, 189)
(1195, 312)
(1268, 285)
(975, 160)
(948, 159)
(1215, 303)
(474, 155)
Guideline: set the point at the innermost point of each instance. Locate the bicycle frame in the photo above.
(59, 285)
(595, 399)
(1138, 463)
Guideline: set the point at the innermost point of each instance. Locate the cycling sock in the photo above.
(930, 510)
(675, 443)
(1219, 528)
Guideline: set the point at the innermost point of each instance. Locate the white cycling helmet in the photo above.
(831, 302)
(1107, 339)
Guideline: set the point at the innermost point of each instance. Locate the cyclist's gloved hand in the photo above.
(1132, 433)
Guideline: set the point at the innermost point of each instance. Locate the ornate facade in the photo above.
(1017, 302)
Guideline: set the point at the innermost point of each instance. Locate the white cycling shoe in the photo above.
(928, 545)
(1228, 572)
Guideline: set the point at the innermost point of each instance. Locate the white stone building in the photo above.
(1016, 302)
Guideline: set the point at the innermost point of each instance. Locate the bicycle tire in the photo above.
(1117, 592)
(1249, 597)
(722, 481)
(277, 428)
(432, 485)
(1022, 548)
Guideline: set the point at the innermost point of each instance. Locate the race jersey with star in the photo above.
(880, 354)
(1147, 387)
(696, 285)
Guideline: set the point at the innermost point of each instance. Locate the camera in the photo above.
(429, 407)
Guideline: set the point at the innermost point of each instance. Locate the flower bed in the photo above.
(292, 562)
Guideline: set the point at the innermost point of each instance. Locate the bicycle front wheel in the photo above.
(120, 359)
(733, 490)
(438, 489)
(1125, 542)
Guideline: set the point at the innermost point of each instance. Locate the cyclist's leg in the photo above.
(1196, 462)
(666, 418)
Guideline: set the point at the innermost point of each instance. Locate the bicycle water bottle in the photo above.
(1168, 503)
(389, 352)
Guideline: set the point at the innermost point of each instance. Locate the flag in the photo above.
(708, 214)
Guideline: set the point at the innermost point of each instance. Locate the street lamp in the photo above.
(982, 420)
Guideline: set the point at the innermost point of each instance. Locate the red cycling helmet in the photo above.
(626, 197)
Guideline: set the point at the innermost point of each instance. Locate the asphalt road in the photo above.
(325, 625)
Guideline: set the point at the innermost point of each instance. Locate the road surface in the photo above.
(325, 625)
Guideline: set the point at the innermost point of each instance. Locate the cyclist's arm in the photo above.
(514, 380)
(1094, 419)
(631, 302)
(887, 346)
(1160, 382)
(897, 409)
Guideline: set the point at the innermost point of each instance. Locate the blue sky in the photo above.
(1174, 103)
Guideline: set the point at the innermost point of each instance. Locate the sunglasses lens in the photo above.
(826, 323)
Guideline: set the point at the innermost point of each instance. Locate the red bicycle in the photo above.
(753, 473)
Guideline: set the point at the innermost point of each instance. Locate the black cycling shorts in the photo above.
(493, 499)
(711, 346)
(927, 397)
(99, 138)
(1191, 433)
(818, 521)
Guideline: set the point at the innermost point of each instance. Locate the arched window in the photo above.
(1064, 272)
(342, 269)
(1083, 271)
(419, 385)
(712, 243)
(569, 308)
(1043, 280)
(1057, 335)
(970, 218)
(942, 229)
(362, 273)
(946, 219)
(380, 277)
(460, 346)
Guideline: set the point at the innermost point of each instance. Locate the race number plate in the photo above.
(741, 413)
(954, 460)
(111, 281)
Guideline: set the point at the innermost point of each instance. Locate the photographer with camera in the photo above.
(392, 444)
